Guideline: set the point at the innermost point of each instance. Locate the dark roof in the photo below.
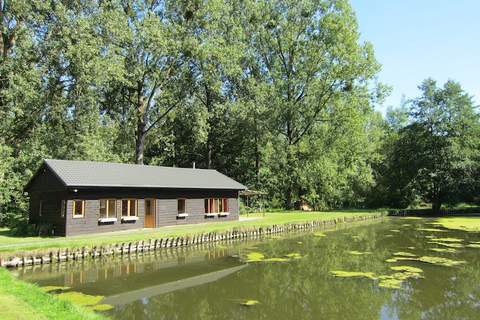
(109, 174)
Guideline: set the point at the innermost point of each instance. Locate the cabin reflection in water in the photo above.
(128, 278)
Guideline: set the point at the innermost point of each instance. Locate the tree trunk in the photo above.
(141, 126)
(436, 206)
(140, 142)
(289, 186)
(208, 102)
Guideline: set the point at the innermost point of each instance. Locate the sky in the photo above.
(418, 39)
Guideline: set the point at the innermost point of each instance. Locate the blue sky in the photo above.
(417, 39)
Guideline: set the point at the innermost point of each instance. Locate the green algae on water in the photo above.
(395, 230)
(255, 257)
(431, 230)
(249, 303)
(294, 255)
(407, 269)
(319, 234)
(359, 253)
(465, 224)
(101, 307)
(396, 259)
(448, 245)
(390, 283)
(80, 298)
(353, 274)
(439, 261)
(260, 257)
(473, 245)
(448, 239)
(446, 250)
(404, 254)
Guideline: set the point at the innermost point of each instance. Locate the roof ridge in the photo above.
(130, 164)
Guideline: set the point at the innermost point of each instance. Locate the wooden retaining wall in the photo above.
(125, 248)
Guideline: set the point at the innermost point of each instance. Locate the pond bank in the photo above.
(21, 300)
(125, 248)
(459, 212)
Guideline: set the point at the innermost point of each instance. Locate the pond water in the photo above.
(302, 276)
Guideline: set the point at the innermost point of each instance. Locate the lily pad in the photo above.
(319, 234)
(395, 230)
(353, 274)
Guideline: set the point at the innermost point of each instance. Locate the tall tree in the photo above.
(309, 54)
(150, 82)
(438, 151)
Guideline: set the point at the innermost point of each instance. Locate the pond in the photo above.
(396, 268)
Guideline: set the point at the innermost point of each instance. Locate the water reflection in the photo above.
(207, 282)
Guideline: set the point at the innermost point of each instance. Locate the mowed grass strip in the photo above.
(17, 245)
(20, 300)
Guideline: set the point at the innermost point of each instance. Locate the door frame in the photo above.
(153, 208)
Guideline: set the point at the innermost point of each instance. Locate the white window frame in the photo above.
(77, 216)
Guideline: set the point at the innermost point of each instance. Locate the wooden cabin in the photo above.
(82, 197)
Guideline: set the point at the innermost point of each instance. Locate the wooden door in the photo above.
(149, 213)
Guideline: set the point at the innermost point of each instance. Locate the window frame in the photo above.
(215, 205)
(184, 205)
(129, 211)
(107, 208)
(77, 216)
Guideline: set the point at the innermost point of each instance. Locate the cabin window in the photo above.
(63, 208)
(78, 208)
(216, 205)
(129, 207)
(40, 208)
(181, 206)
(108, 208)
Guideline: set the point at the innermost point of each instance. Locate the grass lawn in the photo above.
(20, 300)
(9, 244)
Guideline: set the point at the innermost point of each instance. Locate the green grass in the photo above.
(20, 300)
(10, 244)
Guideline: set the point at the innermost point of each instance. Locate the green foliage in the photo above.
(279, 95)
(434, 156)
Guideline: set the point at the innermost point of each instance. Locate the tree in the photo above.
(309, 54)
(149, 84)
(437, 153)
